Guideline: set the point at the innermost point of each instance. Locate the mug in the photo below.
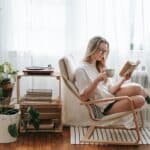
(109, 72)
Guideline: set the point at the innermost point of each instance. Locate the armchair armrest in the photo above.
(118, 98)
(106, 100)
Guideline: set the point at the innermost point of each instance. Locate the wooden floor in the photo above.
(55, 141)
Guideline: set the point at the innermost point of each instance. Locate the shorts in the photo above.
(108, 108)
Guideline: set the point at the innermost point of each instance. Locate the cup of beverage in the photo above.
(110, 72)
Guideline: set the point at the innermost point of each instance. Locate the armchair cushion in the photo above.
(70, 67)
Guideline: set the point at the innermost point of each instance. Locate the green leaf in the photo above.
(34, 117)
(13, 131)
(36, 123)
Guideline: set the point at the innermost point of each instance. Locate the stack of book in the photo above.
(38, 95)
(49, 110)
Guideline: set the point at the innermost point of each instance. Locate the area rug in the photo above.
(111, 134)
(77, 133)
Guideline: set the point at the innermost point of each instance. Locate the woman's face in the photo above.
(101, 52)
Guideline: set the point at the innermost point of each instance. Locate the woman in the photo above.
(92, 82)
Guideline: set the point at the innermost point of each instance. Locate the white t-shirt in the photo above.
(85, 75)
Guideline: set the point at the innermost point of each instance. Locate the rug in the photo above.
(110, 134)
(77, 133)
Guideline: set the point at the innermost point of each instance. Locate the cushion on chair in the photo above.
(73, 88)
(70, 67)
(63, 69)
(67, 69)
(73, 112)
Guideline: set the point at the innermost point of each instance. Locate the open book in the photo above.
(129, 67)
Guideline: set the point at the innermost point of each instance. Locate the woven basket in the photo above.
(7, 92)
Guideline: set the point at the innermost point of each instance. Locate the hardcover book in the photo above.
(129, 67)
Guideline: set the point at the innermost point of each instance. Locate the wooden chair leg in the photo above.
(90, 131)
(88, 134)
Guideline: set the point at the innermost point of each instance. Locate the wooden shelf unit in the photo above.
(50, 112)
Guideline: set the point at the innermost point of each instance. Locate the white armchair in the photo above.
(76, 112)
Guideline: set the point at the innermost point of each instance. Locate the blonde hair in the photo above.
(92, 47)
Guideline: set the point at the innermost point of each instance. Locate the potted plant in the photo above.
(9, 114)
(7, 79)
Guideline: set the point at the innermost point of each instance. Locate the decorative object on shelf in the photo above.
(37, 70)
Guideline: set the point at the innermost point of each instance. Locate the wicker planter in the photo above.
(7, 91)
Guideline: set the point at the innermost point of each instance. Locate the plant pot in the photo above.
(5, 121)
(7, 92)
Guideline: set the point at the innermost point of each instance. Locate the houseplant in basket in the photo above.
(9, 115)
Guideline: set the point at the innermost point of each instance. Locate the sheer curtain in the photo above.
(39, 32)
(125, 24)
(32, 32)
(33, 27)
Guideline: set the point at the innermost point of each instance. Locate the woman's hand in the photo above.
(102, 76)
(127, 76)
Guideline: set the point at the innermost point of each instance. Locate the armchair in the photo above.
(87, 113)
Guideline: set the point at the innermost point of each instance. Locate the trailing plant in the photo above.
(32, 118)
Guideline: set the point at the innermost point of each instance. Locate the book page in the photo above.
(129, 67)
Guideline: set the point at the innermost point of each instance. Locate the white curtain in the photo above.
(125, 24)
(34, 27)
(39, 32)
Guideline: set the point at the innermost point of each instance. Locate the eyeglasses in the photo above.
(102, 50)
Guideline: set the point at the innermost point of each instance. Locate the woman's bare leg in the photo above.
(131, 89)
(124, 105)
